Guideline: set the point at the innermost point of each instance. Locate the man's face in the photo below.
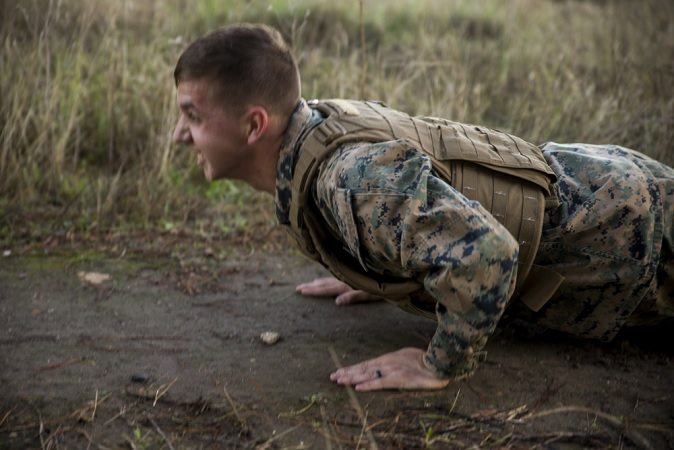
(217, 136)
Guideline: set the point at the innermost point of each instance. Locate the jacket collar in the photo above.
(300, 120)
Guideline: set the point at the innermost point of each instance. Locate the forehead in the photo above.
(197, 93)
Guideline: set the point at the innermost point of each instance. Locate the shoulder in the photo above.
(391, 166)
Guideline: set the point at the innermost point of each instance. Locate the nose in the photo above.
(181, 133)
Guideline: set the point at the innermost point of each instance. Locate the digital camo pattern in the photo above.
(395, 216)
(611, 237)
(408, 222)
(302, 119)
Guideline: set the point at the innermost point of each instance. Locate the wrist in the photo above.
(456, 368)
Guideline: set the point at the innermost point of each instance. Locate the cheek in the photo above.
(201, 140)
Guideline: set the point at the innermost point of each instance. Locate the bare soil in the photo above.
(167, 354)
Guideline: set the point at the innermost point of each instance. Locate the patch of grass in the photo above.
(88, 108)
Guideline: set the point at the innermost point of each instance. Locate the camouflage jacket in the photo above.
(605, 236)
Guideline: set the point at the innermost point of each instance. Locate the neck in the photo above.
(261, 175)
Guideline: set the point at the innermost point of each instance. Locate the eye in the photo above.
(190, 115)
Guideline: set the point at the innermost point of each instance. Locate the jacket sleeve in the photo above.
(409, 221)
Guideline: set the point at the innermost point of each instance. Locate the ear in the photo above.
(257, 123)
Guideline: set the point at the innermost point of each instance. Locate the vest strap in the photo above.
(540, 285)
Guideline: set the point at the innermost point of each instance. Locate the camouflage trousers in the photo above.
(659, 302)
(612, 238)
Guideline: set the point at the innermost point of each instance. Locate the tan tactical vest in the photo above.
(506, 174)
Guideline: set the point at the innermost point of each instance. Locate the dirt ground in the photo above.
(167, 354)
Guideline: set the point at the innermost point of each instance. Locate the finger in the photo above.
(359, 373)
(347, 298)
(373, 385)
(322, 287)
(318, 282)
(309, 284)
(352, 297)
(389, 379)
(356, 377)
(403, 380)
(345, 375)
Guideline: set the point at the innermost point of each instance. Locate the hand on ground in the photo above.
(403, 369)
(330, 286)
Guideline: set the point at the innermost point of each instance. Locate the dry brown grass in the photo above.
(87, 102)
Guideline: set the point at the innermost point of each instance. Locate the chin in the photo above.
(208, 173)
(212, 175)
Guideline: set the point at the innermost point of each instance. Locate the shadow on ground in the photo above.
(137, 363)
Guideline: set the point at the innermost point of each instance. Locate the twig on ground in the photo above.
(121, 412)
(354, 402)
(243, 424)
(394, 426)
(549, 438)
(313, 400)
(51, 440)
(93, 412)
(515, 414)
(328, 431)
(41, 430)
(6, 415)
(654, 427)
(499, 443)
(618, 422)
(86, 435)
(161, 433)
(87, 413)
(485, 440)
(405, 440)
(456, 398)
(362, 430)
(334, 433)
(265, 445)
(376, 424)
(162, 390)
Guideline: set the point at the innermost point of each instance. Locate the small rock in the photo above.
(7, 253)
(139, 377)
(270, 337)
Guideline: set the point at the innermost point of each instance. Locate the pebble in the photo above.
(139, 377)
(270, 337)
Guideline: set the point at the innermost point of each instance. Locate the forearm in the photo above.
(470, 302)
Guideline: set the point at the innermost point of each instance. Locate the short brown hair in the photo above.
(250, 63)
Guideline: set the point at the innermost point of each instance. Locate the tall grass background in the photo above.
(87, 97)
